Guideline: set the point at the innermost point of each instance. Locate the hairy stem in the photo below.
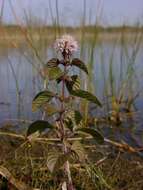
(63, 135)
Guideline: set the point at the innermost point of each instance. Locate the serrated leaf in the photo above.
(61, 160)
(72, 118)
(52, 63)
(54, 73)
(78, 63)
(78, 148)
(56, 160)
(86, 95)
(94, 133)
(78, 117)
(41, 98)
(68, 123)
(38, 126)
(51, 160)
(73, 87)
(76, 85)
(73, 83)
(69, 119)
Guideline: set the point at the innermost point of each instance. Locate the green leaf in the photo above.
(68, 123)
(61, 160)
(73, 86)
(38, 126)
(78, 63)
(41, 98)
(86, 95)
(73, 83)
(69, 119)
(56, 160)
(72, 118)
(76, 84)
(52, 63)
(94, 133)
(54, 73)
(51, 160)
(78, 148)
(78, 117)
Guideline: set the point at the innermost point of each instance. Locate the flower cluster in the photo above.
(66, 44)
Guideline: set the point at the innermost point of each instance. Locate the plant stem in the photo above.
(63, 135)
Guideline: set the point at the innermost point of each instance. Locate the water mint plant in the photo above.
(63, 123)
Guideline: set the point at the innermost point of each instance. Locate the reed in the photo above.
(111, 56)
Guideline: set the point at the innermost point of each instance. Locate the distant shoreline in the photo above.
(17, 34)
(86, 28)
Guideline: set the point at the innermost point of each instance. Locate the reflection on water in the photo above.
(20, 81)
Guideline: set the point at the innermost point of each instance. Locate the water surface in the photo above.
(20, 79)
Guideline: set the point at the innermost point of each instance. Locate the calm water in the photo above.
(18, 75)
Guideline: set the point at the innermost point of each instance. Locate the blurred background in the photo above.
(110, 36)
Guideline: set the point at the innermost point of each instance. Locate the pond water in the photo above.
(110, 64)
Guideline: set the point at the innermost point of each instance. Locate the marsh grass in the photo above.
(113, 78)
(28, 163)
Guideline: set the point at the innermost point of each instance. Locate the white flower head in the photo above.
(66, 44)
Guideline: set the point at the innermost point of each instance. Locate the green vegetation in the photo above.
(69, 124)
(64, 148)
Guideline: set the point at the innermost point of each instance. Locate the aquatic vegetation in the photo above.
(63, 149)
